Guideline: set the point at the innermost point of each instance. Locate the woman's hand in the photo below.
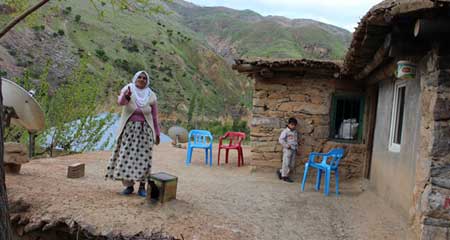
(128, 93)
(157, 140)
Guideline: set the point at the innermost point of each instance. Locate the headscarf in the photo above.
(142, 96)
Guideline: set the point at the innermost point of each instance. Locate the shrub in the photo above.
(77, 18)
(3, 73)
(38, 28)
(67, 10)
(129, 66)
(130, 44)
(100, 53)
(61, 32)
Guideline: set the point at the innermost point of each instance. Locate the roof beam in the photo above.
(378, 58)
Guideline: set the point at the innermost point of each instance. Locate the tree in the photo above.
(71, 113)
(5, 226)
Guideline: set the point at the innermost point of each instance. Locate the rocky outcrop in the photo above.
(316, 50)
(34, 50)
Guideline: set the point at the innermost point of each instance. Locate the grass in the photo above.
(179, 66)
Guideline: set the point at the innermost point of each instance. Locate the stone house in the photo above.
(396, 133)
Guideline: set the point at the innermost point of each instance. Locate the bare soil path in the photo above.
(223, 202)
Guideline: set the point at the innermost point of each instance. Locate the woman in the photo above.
(138, 130)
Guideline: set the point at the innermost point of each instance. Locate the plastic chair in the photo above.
(335, 155)
(200, 139)
(236, 139)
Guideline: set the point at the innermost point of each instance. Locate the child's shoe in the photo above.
(287, 179)
(128, 190)
(279, 173)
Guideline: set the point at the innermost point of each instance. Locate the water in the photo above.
(107, 140)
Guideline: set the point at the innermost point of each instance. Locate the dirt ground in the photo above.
(223, 202)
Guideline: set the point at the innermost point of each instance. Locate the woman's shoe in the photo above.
(141, 192)
(128, 190)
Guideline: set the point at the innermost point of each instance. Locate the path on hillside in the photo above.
(223, 202)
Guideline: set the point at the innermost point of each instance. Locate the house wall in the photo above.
(307, 98)
(393, 173)
(432, 190)
(417, 180)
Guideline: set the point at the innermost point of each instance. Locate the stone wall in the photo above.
(308, 99)
(432, 191)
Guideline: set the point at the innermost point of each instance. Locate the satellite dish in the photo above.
(26, 111)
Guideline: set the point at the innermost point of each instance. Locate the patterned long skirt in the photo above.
(131, 159)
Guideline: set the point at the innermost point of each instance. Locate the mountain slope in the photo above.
(236, 33)
(187, 52)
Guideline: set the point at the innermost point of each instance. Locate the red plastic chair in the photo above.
(236, 139)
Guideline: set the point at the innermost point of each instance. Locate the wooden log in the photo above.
(246, 68)
(408, 48)
(385, 72)
(75, 170)
(426, 28)
(266, 73)
(377, 59)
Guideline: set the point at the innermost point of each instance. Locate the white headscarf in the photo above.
(142, 96)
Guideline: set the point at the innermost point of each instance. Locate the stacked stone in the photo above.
(432, 190)
(308, 100)
(16, 154)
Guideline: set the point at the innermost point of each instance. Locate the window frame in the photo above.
(395, 147)
(346, 95)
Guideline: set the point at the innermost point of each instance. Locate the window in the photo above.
(346, 117)
(398, 109)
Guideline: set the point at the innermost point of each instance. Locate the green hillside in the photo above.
(187, 52)
(253, 35)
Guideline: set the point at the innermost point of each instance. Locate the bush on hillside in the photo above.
(100, 53)
(129, 66)
(38, 28)
(130, 44)
(67, 10)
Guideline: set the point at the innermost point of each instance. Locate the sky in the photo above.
(342, 13)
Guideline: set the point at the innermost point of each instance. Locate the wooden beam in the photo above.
(384, 72)
(378, 58)
(266, 73)
(246, 68)
(427, 28)
(408, 48)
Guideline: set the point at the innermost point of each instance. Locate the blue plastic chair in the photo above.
(200, 139)
(335, 155)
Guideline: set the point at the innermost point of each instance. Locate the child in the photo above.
(289, 140)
